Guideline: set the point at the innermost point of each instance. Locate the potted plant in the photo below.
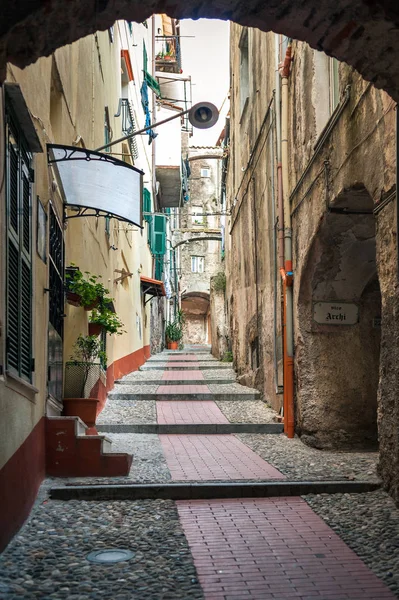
(85, 289)
(88, 352)
(103, 318)
(174, 333)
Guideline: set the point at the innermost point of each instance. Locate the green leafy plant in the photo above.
(87, 351)
(227, 356)
(219, 282)
(87, 287)
(107, 319)
(174, 332)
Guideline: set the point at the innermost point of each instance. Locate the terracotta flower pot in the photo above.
(84, 408)
(173, 345)
(95, 328)
(73, 298)
(94, 304)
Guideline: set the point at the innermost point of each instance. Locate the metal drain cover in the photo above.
(109, 555)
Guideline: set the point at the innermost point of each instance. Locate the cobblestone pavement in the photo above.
(269, 548)
(298, 461)
(369, 524)
(47, 560)
(128, 412)
(246, 411)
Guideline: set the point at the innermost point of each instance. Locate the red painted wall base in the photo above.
(22, 475)
(20, 479)
(119, 368)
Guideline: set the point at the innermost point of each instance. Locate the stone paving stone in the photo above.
(298, 461)
(189, 411)
(275, 548)
(210, 457)
(232, 388)
(47, 559)
(223, 373)
(247, 411)
(182, 375)
(127, 412)
(369, 524)
(133, 389)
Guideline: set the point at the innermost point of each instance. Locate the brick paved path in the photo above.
(182, 375)
(183, 389)
(205, 457)
(272, 548)
(189, 411)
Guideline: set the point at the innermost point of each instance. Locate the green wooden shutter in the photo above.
(147, 204)
(145, 57)
(19, 258)
(158, 267)
(158, 238)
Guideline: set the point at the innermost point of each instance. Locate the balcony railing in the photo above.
(125, 110)
(167, 54)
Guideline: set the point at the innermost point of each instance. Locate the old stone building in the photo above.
(200, 242)
(312, 168)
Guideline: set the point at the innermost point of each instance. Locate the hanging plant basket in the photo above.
(93, 304)
(73, 299)
(95, 328)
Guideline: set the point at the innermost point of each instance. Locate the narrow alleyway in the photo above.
(187, 422)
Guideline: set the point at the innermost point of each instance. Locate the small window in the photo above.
(205, 172)
(111, 34)
(197, 264)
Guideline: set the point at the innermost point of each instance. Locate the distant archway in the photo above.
(196, 308)
(361, 33)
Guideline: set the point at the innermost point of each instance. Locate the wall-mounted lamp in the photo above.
(202, 115)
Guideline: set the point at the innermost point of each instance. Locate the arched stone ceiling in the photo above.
(363, 33)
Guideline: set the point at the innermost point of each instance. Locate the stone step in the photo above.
(202, 428)
(72, 453)
(173, 382)
(199, 491)
(196, 367)
(184, 396)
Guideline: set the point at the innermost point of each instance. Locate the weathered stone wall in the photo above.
(339, 162)
(199, 217)
(219, 331)
(253, 285)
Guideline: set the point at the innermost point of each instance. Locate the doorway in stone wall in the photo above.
(338, 333)
(195, 306)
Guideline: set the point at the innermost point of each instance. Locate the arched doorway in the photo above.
(338, 346)
(361, 33)
(195, 306)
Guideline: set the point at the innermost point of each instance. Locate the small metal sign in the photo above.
(335, 313)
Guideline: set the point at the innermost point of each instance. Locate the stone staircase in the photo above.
(72, 453)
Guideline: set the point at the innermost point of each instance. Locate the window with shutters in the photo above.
(197, 264)
(158, 235)
(19, 253)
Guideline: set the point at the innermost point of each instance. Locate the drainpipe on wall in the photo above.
(286, 271)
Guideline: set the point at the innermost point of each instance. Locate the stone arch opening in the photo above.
(338, 340)
(196, 308)
(360, 33)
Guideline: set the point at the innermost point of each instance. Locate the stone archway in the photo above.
(196, 308)
(337, 364)
(362, 33)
